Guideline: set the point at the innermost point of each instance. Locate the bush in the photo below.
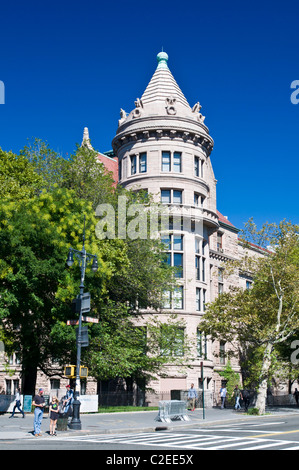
(253, 411)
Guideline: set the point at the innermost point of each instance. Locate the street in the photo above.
(267, 433)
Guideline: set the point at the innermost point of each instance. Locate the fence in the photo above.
(172, 409)
(124, 398)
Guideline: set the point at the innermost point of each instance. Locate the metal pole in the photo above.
(203, 392)
(76, 422)
(83, 258)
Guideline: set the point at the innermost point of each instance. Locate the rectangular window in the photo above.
(174, 300)
(222, 352)
(197, 268)
(167, 299)
(120, 169)
(133, 164)
(174, 256)
(178, 242)
(204, 300)
(54, 384)
(169, 196)
(220, 280)
(203, 269)
(142, 162)
(178, 300)
(177, 197)
(199, 343)
(166, 241)
(198, 299)
(196, 166)
(177, 162)
(219, 241)
(165, 196)
(200, 260)
(166, 165)
(178, 263)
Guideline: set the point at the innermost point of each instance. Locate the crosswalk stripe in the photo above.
(186, 441)
(267, 445)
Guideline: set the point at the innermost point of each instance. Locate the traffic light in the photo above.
(83, 372)
(69, 371)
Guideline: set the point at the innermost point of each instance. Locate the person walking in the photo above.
(238, 396)
(53, 415)
(223, 393)
(192, 395)
(296, 395)
(246, 399)
(39, 403)
(17, 404)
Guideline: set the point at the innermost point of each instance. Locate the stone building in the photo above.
(163, 146)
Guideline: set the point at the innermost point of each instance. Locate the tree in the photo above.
(36, 288)
(18, 179)
(48, 165)
(266, 315)
(231, 379)
(34, 239)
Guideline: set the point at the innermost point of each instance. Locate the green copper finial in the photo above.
(162, 59)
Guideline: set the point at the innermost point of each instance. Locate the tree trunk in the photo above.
(263, 380)
(29, 375)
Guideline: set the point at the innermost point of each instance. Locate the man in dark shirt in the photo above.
(39, 403)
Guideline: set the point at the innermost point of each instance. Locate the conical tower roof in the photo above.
(162, 108)
(163, 86)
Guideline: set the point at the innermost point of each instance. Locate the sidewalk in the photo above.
(127, 422)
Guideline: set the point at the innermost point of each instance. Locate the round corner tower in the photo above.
(164, 147)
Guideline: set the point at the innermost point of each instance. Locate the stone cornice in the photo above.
(220, 255)
(201, 185)
(181, 129)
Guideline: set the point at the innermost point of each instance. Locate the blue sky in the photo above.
(70, 64)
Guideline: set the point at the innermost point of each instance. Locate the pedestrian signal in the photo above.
(69, 371)
(83, 372)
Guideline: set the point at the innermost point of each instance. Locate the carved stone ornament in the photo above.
(200, 118)
(123, 116)
(138, 103)
(196, 108)
(170, 102)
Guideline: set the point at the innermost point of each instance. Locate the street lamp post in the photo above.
(83, 257)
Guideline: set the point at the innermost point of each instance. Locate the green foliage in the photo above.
(231, 378)
(253, 411)
(265, 316)
(50, 166)
(39, 220)
(18, 179)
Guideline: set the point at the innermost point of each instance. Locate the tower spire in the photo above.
(86, 139)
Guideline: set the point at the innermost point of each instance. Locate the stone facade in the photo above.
(163, 146)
